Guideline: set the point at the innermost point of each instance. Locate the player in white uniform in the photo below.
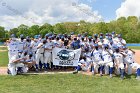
(105, 40)
(108, 61)
(19, 63)
(119, 62)
(129, 59)
(12, 47)
(119, 41)
(136, 67)
(21, 44)
(83, 64)
(48, 53)
(57, 42)
(33, 46)
(28, 44)
(97, 60)
(40, 54)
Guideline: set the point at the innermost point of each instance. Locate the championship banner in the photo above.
(65, 57)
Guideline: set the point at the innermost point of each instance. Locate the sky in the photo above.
(31, 12)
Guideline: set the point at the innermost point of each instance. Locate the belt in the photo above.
(13, 50)
(41, 53)
(20, 51)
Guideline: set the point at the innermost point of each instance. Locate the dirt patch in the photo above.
(3, 46)
(3, 50)
(137, 56)
(3, 70)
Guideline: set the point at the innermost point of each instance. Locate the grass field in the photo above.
(135, 47)
(67, 83)
(3, 58)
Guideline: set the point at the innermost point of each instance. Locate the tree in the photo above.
(59, 28)
(2, 32)
(23, 29)
(46, 28)
(33, 30)
(14, 31)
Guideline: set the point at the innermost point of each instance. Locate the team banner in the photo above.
(65, 57)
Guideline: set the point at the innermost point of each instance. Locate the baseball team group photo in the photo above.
(72, 46)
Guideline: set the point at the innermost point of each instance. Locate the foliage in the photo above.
(128, 27)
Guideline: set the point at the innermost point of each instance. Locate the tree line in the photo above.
(129, 28)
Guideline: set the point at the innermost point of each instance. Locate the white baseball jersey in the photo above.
(106, 56)
(130, 56)
(13, 57)
(34, 46)
(57, 43)
(96, 56)
(13, 45)
(118, 57)
(21, 45)
(49, 45)
(41, 49)
(30, 59)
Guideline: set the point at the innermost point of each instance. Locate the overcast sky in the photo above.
(30, 12)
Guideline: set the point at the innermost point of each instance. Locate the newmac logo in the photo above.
(66, 55)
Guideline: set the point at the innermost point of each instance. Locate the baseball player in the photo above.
(47, 54)
(83, 64)
(136, 67)
(40, 54)
(12, 47)
(21, 44)
(75, 44)
(119, 62)
(97, 60)
(16, 61)
(129, 59)
(34, 45)
(108, 61)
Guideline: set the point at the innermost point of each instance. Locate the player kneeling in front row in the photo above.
(20, 63)
(97, 60)
(108, 61)
(136, 67)
(83, 65)
(119, 62)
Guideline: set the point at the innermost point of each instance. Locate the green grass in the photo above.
(67, 83)
(3, 58)
(135, 47)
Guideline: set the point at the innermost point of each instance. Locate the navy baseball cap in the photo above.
(50, 37)
(72, 33)
(13, 35)
(21, 36)
(106, 34)
(124, 47)
(101, 37)
(79, 35)
(113, 32)
(95, 34)
(119, 36)
(89, 37)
